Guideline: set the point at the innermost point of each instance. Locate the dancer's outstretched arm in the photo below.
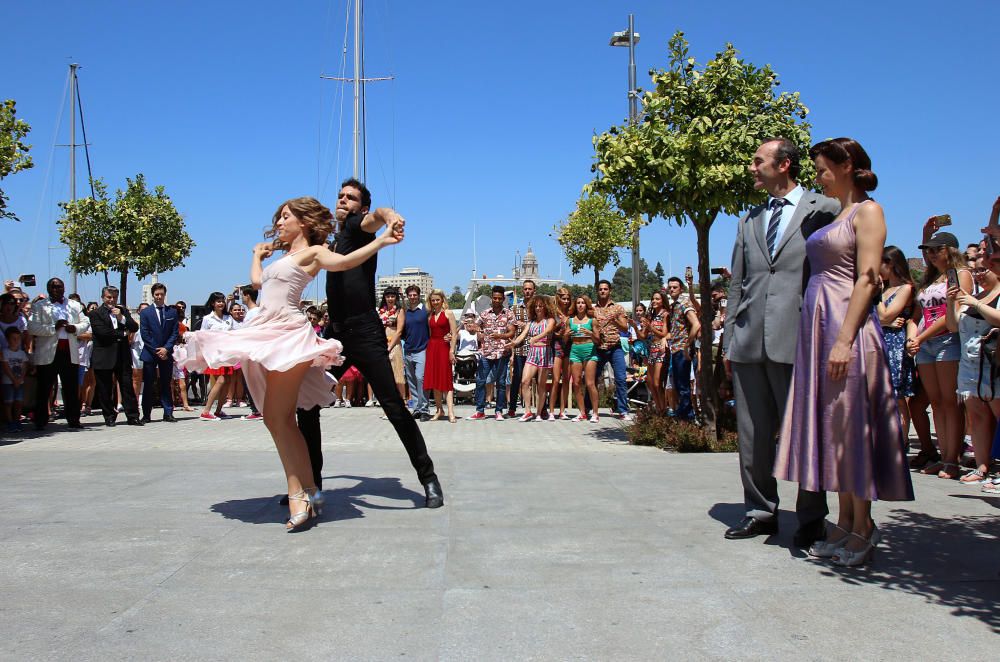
(321, 257)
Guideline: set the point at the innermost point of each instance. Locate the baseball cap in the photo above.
(941, 239)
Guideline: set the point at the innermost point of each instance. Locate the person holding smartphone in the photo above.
(935, 349)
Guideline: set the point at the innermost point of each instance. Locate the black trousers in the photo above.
(106, 390)
(165, 368)
(515, 382)
(69, 374)
(363, 337)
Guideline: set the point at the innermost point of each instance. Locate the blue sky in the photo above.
(488, 123)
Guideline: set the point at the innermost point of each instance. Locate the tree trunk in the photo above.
(597, 279)
(706, 373)
(123, 288)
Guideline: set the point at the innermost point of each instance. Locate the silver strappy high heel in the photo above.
(825, 549)
(850, 559)
(298, 520)
(317, 500)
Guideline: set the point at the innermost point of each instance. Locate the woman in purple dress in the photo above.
(841, 431)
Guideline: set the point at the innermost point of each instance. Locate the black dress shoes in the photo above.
(147, 419)
(432, 490)
(416, 415)
(169, 418)
(751, 528)
(135, 421)
(809, 533)
(109, 421)
(424, 418)
(76, 425)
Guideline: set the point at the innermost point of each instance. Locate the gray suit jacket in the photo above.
(765, 295)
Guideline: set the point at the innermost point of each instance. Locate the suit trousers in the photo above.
(165, 368)
(363, 337)
(69, 374)
(761, 392)
(105, 390)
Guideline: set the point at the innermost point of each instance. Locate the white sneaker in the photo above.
(594, 418)
(347, 403)
(338, 403)
(370, 403)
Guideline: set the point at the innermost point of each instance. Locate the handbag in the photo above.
(988, 354)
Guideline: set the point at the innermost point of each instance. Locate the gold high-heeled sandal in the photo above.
(300, 519)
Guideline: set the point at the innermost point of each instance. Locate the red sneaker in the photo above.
(253, 417)
(478, 416)
(209, 416)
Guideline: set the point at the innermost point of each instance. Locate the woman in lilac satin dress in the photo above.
(842, 431)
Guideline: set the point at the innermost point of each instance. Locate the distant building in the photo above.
(405, 278)
(147, 289)
(529, 267)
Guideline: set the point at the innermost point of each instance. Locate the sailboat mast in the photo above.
(72, 148)
(357, 84)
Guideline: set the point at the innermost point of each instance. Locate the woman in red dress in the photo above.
(440, 353)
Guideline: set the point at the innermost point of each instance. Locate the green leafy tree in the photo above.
(139, 231)
(686, 159)
(660, 273)
(456, 300)
(592, 234)
(13, 151)
(621, 283)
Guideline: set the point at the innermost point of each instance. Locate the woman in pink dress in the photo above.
(283, 359)
(441, 354)
(841, 431)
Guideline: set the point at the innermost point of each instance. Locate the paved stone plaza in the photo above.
(557, 541)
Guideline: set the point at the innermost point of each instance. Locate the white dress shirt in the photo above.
(792, 200)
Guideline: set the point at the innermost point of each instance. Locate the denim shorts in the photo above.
(946, 347)
(11, 393)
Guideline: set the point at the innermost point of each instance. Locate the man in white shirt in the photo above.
(56, 323)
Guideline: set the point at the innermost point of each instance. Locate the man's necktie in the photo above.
(773, 223)
(159, 314)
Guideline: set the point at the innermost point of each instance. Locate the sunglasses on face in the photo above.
(934, 249)
(978, 271)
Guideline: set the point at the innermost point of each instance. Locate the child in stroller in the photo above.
(467, 358)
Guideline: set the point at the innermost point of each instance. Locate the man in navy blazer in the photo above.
(158, 328)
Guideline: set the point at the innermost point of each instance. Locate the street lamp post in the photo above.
(630, 38)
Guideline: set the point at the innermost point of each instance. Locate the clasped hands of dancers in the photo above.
(284, 361)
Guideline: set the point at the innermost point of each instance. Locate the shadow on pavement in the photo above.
(613, 433)
(342, 503)
(949, 561)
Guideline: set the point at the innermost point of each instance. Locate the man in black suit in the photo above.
(158, 328)
(110, 325)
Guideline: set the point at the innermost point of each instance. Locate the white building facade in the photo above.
(405, 278)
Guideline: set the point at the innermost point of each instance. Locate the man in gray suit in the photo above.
(761, 332)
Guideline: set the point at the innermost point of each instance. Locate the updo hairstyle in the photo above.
(841, 150)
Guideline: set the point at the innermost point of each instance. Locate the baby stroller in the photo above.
(464, 377)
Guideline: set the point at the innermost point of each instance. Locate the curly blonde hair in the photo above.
(315, 217)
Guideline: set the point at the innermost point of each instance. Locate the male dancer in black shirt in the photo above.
(355, 323)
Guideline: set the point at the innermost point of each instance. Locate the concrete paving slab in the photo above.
(557, 541)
